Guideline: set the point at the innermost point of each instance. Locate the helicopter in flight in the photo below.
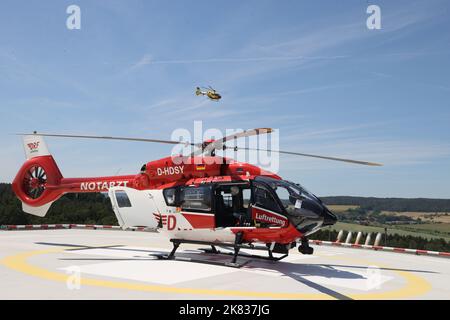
(209, 92)
(198, 199)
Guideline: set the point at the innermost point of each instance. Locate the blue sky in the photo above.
(310, 69)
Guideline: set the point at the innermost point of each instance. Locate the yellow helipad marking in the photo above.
(415, 285)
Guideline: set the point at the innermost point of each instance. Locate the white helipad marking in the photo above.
(142, 267)
(359, 279)
(272, 268)
(346, 277)
(121, 252)
(289, 258)
(154, 271)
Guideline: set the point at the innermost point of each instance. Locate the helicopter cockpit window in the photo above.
(265, 200)
(122, 199)
(284, 195)
(196, 198)
(169, 196)
(287, 190)
(296, 200)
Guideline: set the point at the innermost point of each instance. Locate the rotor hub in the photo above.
(34, 181)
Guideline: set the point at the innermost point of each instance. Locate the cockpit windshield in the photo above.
(290, 194)
(285, 189)
(304, 210)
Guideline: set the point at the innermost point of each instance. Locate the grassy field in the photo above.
(428, 227)
(438, 217)
(436, 224)
(339, 208)
(424, 216)
(399, 229)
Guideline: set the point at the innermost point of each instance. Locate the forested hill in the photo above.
(83, 208)
(392, 204)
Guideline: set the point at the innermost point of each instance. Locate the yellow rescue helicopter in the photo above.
(209, 92)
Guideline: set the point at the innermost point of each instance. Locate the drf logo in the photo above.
(170, 221)
(33, 146)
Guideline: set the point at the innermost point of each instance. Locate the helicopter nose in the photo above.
(329, 218)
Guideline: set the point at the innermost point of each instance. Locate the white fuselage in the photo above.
(145, 208)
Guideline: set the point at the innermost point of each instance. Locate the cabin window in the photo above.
(122, 199)
(227, 199)
(196, 198)
(264, 199)
(246, 196)
(170, 196)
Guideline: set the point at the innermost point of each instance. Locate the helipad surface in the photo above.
(100, 264)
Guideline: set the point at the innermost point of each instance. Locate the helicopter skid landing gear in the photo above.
(238, 245)
(304, 248)
(213, 250)
(176, 244)
(237, 242)
(172, 253)
(269, 258)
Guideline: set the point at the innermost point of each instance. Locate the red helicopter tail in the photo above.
(36, 183)
(39, 181)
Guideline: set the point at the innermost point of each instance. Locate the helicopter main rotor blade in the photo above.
(107, 138)
(219, 144)
(208, 147)
(213, 145)
(366, 163)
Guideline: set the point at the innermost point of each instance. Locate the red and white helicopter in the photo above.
(197, 199)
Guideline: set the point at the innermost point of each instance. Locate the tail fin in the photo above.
(35, 146)
(36, 183)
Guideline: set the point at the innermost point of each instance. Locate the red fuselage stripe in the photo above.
(200, 221)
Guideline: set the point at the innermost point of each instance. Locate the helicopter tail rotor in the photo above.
(36, 182)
